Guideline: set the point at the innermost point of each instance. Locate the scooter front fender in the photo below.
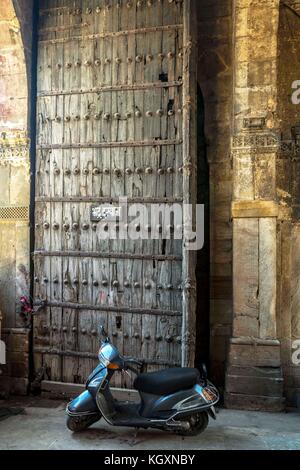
(86, 402)
(82, 405)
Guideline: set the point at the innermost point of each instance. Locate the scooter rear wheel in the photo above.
(198, 424)
(78, 424)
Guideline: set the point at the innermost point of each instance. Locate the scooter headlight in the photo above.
(107, 354)
(102, 358)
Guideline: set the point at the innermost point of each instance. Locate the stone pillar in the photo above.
(254, 378)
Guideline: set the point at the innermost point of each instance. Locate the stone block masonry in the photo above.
(14, 375)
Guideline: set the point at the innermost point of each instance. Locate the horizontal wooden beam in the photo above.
(113, 34)
(125, 144)
(108, 200)
(106, 308)
(87, 355)
(254, 209)
(89, 254)
(105, 89)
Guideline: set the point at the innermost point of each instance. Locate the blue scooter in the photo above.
(179, 400)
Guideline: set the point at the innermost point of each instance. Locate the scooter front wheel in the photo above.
(198, 423)
(80, 423)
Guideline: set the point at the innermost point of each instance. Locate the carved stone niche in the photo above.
(254, 123)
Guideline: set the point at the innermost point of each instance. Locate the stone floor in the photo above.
(41, 425)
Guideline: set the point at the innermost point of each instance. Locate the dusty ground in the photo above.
(41, 425)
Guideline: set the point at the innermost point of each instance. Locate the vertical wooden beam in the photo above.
(189, 177)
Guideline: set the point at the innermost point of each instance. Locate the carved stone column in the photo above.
(254, 377)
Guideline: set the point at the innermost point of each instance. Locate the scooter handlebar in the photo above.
(129, 362)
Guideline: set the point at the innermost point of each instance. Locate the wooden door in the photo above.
(115, 117)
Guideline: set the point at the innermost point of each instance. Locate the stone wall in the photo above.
(253, 375)
(14, 375)
(248, 60)
(15, 63)
(288, 184)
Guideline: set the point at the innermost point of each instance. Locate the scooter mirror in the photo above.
(103, 332)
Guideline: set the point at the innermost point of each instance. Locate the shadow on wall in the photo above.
(215, 80)
(203, 256)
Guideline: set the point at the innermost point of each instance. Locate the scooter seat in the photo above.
(166, 381)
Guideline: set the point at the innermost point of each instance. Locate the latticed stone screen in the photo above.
(14, 213)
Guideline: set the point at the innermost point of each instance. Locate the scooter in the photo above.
(179, 400)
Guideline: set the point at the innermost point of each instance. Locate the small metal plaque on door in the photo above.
(107, 213)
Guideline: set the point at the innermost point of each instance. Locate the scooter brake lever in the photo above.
(132, 369)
